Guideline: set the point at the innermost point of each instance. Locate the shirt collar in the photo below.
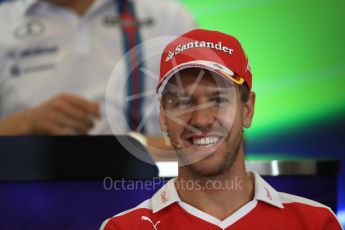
(165, 196)
(265, 192)
(168, 195)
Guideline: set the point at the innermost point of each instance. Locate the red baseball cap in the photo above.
(212, 50)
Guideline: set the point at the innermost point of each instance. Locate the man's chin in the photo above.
(194, 158)
(204, 165)
(206, 169)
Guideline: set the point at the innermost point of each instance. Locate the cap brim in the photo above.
(211, 66)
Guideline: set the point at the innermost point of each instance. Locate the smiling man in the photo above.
(206, 102)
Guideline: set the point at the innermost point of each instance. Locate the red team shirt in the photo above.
(268, 210)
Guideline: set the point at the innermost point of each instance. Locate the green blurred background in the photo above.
(296, 51)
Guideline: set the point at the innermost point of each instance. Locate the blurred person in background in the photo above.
(57, 56)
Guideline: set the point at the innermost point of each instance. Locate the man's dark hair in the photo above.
(244, 92)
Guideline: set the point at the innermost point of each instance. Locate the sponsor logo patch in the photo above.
(198, 44)
(29, 29)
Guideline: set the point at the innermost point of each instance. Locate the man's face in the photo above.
(203, 116)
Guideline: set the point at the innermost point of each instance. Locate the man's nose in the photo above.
(202, 117)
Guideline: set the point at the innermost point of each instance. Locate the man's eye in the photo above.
(221, 100)
(182, 103)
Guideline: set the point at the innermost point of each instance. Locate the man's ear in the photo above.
(162, 118)
(248, 110)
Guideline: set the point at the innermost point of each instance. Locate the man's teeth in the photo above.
(205, 141)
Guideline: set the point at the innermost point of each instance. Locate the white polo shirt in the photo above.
(46, 50)
(268, 210)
